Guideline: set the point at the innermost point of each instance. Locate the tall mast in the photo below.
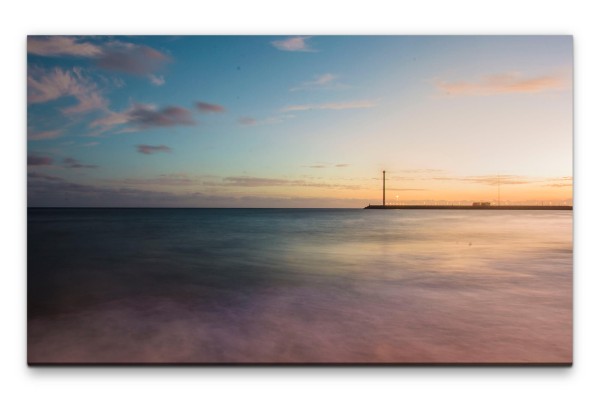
(383, 187)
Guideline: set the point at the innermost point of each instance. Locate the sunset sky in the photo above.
(297, 121)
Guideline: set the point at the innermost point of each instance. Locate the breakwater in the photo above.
(470, 207)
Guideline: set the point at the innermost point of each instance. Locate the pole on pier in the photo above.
(383, 187)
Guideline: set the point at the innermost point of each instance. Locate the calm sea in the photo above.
(299, 285)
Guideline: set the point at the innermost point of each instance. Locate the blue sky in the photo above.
(297, 121)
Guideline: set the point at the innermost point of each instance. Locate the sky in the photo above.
(298, 121)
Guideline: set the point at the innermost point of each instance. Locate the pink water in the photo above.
(300, 286)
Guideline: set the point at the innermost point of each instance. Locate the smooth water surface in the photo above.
(299, 285)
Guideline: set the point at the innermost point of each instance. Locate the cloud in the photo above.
(295, 44)
(49, 192)
(156, 80)
(149, 149)
(558, 185)
(142, 116)
(110, 120)
(422, 171)
(131, 58)
(259, 182)
(44, 86)
(44, 135)
(46, 190)
(115, 55)
(361, 104)
(90, 144)
(502, 84)
(560, 182)
(41, 176)
(117, 82)
(162, 179)
(61, 46)
(87, 101)
(69, 162)
(44, 193)
(490, 179)
(247, 121)
(246, 181)
(204, 107)
(251, 121)
(33, 160)
(406, 189)
(319, 82)
(147, 116)
(324, 165)
(502, 180)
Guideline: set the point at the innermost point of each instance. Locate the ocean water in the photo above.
(299, 286)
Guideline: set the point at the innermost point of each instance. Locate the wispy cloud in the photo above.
(360, 104)
(47, 191)
(110, 120)
(205, 107)
(178, 179)
(69, 162)
(142, 116)
(319, 82)
(156, 80)
(246, 181)
(131, 58)
(247, 121)
(422, 171)
(44, 191)
(44, 86)
(260, 182)
(500, 179)
(61, 46)
(150, 149)
(502, 84)
(44, 135)
(406, 189)
(325, 165)
(560, 185)
(251, 121)
(87, 101)
(503, 180)
(116, 55)
(147, 116)
(41, 176)
(295, 44)
(489, 179)
(560, 182)
(35, 160)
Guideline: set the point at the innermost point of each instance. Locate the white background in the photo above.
(579, 18)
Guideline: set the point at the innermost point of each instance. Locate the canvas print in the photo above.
(299, 199)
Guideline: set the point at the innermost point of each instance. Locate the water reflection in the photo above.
(299, 286)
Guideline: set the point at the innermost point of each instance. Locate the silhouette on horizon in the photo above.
(474, 206)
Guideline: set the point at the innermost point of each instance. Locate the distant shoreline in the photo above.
(431, 207)
(465, 207)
